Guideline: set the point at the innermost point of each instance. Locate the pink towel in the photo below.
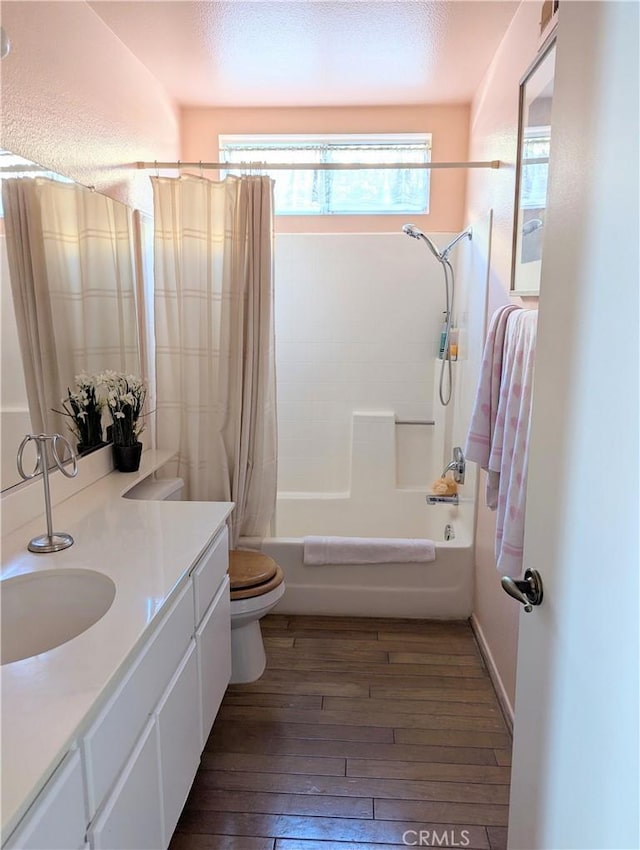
(510, 444)
(485, 410)
(367, 550)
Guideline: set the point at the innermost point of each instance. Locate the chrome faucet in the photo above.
(458, 465)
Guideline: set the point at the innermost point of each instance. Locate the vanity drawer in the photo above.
(209, 573)
(57, 819)
(113, 734)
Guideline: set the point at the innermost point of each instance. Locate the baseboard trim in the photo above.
(503, 699)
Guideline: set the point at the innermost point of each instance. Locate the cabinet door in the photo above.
(57, 820)
(113, 734)
(213, 640)
(132, 815)
(178, 717)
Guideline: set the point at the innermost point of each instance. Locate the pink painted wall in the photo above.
(75, 99)
(493, 135)
(449, 126)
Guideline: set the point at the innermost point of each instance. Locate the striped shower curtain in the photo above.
(215, 341)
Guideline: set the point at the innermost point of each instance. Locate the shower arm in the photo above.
(445, 251)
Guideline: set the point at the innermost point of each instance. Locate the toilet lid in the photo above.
(259, 590)
(248, 569)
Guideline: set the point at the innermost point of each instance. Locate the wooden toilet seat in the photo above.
(252, 574)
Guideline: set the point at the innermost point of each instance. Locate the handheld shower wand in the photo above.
(412, 230)
(443, 258)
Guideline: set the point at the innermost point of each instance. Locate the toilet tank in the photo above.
(157, 490)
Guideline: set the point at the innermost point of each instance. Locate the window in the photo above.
(320, 192)
(535, 167)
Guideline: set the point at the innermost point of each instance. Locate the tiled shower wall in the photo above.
(358, 320)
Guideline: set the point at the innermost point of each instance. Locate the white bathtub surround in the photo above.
(357, 326)
(376, 502)
(146, 549)
(215, 346)
(367, 550)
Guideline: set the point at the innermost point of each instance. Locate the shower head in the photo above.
(412, 230)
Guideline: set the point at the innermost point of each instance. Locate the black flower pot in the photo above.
(127, 458)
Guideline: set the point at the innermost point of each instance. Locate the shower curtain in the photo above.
(72, 279)
(215, 341)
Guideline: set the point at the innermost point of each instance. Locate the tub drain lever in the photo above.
(528, 592)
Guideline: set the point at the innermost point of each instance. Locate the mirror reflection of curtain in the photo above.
(215, 341)
(72, 277)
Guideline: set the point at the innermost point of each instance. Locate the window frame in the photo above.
(337, 140)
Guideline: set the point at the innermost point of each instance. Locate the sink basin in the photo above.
(42, 610)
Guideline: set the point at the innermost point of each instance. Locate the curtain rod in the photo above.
(311, 166)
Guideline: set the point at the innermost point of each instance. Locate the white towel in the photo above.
(510, 443)
(485, 409)
(367, 550)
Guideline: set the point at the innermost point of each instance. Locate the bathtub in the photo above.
(442, 589)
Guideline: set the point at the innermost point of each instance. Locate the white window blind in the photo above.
(370, 191)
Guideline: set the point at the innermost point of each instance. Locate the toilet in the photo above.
(257, 584)
(256, 581)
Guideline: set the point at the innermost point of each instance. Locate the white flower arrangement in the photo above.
(84, 407)
(124, 396)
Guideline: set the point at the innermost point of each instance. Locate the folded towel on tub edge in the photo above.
(367, 550)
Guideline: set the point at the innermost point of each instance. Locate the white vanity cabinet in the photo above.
(132, 814)
(58, 818)
(126, 781)
(178, 720)
(213, 630)
(112, 735)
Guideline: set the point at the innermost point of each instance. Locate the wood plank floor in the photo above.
(360, 732)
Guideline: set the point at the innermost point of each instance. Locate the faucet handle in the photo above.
(458, 456)
(458, 465)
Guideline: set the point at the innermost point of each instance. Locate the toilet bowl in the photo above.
(257, 584)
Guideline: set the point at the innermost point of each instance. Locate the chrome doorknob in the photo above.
(527, 591)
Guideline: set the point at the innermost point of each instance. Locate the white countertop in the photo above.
(147, 548)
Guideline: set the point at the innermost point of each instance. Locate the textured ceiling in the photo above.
(312, 52)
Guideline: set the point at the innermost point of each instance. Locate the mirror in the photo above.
(534, 142)
(68, 266)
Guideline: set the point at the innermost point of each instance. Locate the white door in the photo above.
(575, 768)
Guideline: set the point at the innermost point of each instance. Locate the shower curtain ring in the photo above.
(157, 170)
(201, 170)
